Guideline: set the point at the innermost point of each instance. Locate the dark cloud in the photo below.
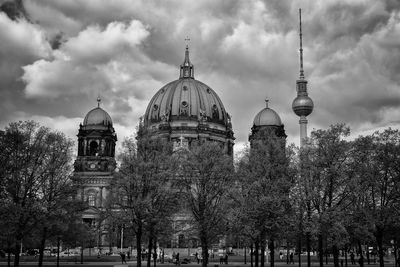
(54, 67)
(15, 10)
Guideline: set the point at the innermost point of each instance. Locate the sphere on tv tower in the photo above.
(303, 105)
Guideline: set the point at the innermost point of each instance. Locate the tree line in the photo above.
(333, 195)
(37, 196)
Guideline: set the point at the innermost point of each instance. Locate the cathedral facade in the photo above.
(183, 111)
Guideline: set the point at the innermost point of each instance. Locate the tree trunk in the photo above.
(320, 250)
(245, 256)
(82, 251)
(345, 255)
(379, 243)
(9, 254)
(17, 251)
(335, 252)
(155, 253)
(256, 248)
(272, 250)
(204, 249)
(262, 254)
(308, 234)
(149, 249)
(368, 255)
(139, 246)
(42, 246)
(299, 249)
(361, 260)
(251, 255)
(58, 251)
(308, 245)
(326, 256)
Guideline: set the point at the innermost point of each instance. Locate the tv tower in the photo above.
(302, 105)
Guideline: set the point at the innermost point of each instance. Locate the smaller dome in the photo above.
(97, 116)
(267, 117)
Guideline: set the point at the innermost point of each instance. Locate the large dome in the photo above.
(267, 117)
(186, 99)
(188, 109)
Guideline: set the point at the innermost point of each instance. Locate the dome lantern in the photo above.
(187, 68)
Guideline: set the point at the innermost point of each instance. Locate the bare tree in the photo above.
(326, 177)
(143, 198)
(31, 156)
(266, 180)
(56, 193)
(206, 177)
(376, 185)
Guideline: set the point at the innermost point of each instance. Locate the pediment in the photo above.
(91, 211)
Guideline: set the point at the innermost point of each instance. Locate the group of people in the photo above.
(123, 256)
(176, 259)
(289, 260)
(223, 259)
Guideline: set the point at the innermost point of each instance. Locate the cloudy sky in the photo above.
(55, 62)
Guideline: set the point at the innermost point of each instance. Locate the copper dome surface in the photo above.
(97, 116)
(267, 117)
(185, 99)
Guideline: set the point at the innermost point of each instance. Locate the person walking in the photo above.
(123, 257)
(352, 258)
(291, 258)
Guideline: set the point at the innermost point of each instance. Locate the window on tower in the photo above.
(94, 148)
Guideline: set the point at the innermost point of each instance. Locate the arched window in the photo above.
(94, 147)
(92, 199)
(215, 113)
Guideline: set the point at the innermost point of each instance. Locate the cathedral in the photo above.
(183, 111)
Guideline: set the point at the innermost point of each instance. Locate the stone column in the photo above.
(101, 197)
(84, 146)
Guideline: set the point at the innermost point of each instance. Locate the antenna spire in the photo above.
(301, 48)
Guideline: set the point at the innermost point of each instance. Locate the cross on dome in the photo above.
(187, 40)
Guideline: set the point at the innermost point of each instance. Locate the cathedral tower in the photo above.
(95, 163)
